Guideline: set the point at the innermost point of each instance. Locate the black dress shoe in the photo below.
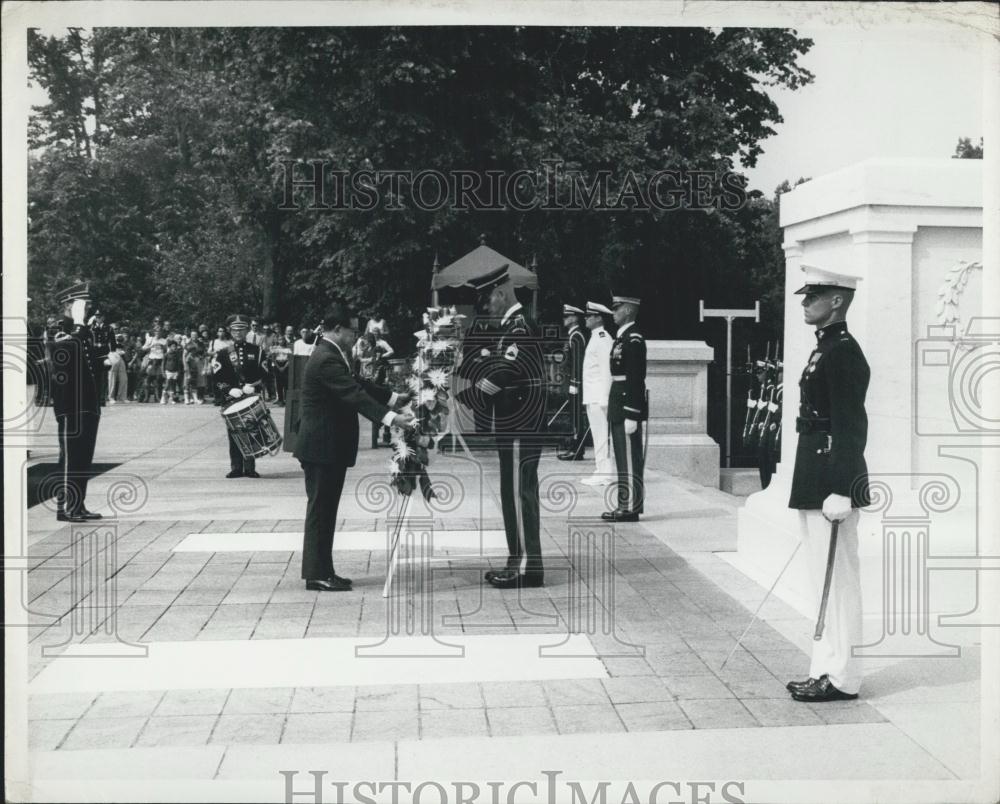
(792, 686)
(336, 577)
(610, 516)
(64, 517)
(620, 516)
(515, 581)
(570, 456)
(822, 690)
(333, 584)
(234, 473)
(251, 473)
(90, 514)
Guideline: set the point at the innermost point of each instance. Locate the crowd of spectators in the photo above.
(167, 364)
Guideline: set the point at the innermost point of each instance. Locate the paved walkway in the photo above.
(212, 666)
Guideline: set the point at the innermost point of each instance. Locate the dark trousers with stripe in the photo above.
(324, 484)
(519, 500)
(576, 442)
(630, 462)
(77, 440)
(237, 463)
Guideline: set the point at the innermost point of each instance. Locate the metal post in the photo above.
(729, 315)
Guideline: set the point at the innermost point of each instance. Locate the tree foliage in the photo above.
(157, 165)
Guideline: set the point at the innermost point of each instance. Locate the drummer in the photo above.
(239, 371)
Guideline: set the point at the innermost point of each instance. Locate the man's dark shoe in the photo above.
(336, 577)
(90, 514)
(251, 473)
(504, 575)
(620, 516)
(515, 581)
(570, 456)
(820, 691)
(333, 584)
(234, 473)
(64, 517)
(793, 686)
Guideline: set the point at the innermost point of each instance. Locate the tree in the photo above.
(966, 150)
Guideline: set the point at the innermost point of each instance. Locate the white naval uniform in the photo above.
(596, 388)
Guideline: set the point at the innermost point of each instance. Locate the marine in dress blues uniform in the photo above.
(76, 402)
(627, 409)
(576, 345)
(830, 480)
(509, 386)
(239, 371)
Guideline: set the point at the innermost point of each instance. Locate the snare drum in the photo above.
(252, 427)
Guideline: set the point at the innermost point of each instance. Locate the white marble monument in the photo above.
(912, 229)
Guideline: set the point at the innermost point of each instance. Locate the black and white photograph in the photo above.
(395, 408)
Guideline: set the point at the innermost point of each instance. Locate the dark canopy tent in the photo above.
(476, 263)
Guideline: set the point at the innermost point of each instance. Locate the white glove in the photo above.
(248, 389)
(235, 393)
(631, 426)
(836, 507)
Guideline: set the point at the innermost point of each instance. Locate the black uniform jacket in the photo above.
(241, 364)
(509, 379)
(575, 347)
(628, 377)
(74, 388)
(832, 423)
(331, 399)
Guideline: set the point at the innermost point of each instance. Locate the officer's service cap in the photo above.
(817, 278)
(238, 322)
(78, 290)
(486, 282)
(570, 309)
(616, 300)
(599, 309)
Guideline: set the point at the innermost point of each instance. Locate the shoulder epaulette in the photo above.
(636, 336)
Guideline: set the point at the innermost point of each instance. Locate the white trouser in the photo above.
(832, 654)
(597, 416)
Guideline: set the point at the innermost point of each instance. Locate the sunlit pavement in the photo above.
(219, 669)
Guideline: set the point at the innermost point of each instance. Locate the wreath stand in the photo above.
(393, 558)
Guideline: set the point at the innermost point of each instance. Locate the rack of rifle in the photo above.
(762, 428)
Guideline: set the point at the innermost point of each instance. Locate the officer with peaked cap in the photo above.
(576, 345)
(596, 390)
(509, 387)
(830, 479)
(239, 371)
(627, 409)
(76, 402)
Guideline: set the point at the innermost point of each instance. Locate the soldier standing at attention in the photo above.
(509, 387)
(76, 402)
(239, 372)
(596, 390)
(627, 409)
(576, 345)
(830, 480)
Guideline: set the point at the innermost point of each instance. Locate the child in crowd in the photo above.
(194, 369)
(173, 365)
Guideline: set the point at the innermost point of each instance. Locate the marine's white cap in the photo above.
(816, 277)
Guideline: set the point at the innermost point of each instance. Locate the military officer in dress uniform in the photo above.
(627, 409)
(509, 384)
(830, 480)
(576, 345)
(238, 372)
(76, 402)
(596, 390)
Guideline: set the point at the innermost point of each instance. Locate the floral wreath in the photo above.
(429, 382)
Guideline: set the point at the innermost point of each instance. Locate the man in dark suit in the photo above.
(576, 345)
(239, 371)
(830, 479)
(76, 402)
(327, 444)
(627, 409)
(509, 386)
